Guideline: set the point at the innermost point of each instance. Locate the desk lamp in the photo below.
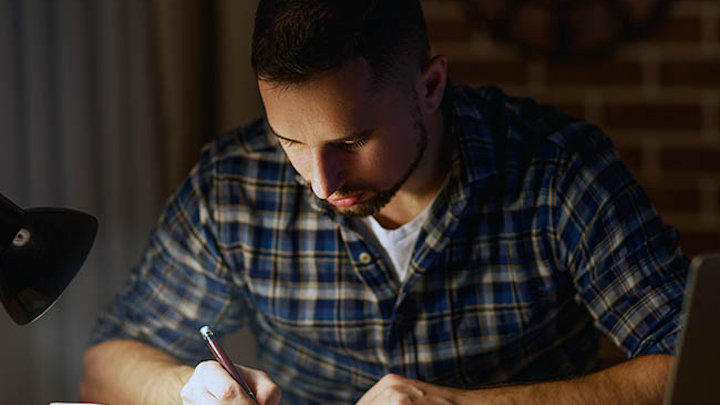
(41, 251)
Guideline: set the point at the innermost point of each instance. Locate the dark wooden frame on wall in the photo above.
(501, 18)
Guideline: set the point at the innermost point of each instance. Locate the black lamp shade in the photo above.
(45, 253)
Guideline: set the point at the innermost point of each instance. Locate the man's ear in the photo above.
(433, 79)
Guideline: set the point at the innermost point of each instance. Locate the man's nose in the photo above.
(328, 173)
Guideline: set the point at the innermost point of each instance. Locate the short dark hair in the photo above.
(295, 40)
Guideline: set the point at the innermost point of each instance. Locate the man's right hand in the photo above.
(211, 384)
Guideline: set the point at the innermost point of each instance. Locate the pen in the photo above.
(224, 360)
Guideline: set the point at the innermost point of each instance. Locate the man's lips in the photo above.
(345, 201)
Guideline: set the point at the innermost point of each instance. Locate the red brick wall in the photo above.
(658, 98)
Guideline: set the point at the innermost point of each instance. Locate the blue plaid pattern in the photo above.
(540, 239)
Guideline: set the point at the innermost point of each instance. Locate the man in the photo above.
(391, 237)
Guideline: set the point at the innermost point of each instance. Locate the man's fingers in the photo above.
(398, 390)
(264, 388)
(218, 383)
(388, 386)
(210, 384)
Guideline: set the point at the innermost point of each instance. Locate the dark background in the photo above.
(104, 106)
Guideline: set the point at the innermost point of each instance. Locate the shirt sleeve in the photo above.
(180, 284)
(625, 262)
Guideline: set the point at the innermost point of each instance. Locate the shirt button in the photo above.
(365, 258)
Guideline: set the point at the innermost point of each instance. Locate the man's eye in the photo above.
(287, 142)
(354, 145)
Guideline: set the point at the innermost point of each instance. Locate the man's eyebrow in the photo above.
(346, 139)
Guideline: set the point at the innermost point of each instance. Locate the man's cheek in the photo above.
(301, 164)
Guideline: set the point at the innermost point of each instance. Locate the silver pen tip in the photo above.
(206, 332)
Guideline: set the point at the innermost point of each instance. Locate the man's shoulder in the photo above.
(520, 121)
(249, 150)
(521, 140)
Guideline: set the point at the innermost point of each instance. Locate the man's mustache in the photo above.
(347, 191)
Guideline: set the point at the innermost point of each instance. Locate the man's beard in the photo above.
(372, 205)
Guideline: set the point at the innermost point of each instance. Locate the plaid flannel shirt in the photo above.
(541, 238)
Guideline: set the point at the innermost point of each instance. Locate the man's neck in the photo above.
(422, 187)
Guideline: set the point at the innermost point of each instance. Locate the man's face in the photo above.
(355, 145)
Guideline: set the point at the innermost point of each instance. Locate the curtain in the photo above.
(104, 105)
(77, 128)
(206, 85)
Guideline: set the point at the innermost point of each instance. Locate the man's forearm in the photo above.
(132, 373)
(634, 382)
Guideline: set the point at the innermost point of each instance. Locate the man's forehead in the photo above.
(341, 106)
(343, 89)
(356, 74)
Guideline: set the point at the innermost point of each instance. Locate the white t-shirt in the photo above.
(398, 243)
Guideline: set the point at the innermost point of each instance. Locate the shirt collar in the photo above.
(474, 154)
